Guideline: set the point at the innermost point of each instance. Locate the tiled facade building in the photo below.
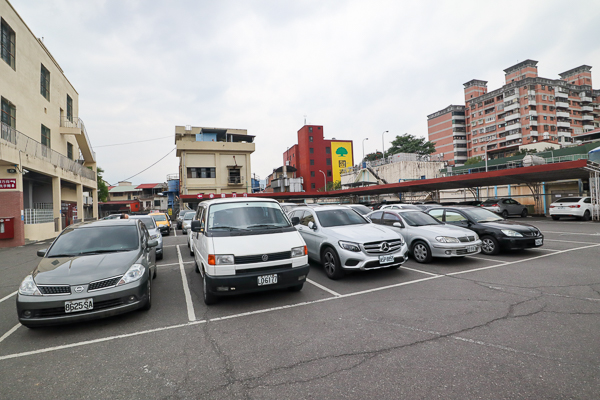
(527, 109)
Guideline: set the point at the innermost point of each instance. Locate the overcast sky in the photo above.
(358, 68)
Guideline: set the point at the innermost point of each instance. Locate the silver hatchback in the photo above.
(342, 240)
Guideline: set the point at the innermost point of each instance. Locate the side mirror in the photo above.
(152, 243)
(41, 253)
(196, 226)
(312, 225)
(398, 225)
(295, 220)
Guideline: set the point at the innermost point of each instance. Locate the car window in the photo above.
(438, 214)
(389, 219)
(100, 239)
(189, 216)
(482, 215)
(246, 215)
(343, 217)
(144, 235)
(364, 210)
(159, 217)
(489, 202)
(147, 221)
(376, 217)
(568, 200)
(306, 218)
(453, 216)
(418, 218)
(588, 200)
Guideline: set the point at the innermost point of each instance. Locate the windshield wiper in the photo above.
(231, 228)
(268, 226)
(62, 255)
(103, 251)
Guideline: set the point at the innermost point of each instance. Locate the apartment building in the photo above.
(318, 160)
(213, 161)
(527, 109)
(46, 160)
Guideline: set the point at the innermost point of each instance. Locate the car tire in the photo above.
(524, 213)
(148, 303)
(296, 288)
(555, 217)
(421, 252)
(504, 214)
(196, 268)
(331, 264)
(159, 256)
(155, 272)
(191, 251)
(209, 298)
(586, 215)
(184, 231)
(489, 245)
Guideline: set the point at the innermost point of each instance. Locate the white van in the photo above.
(243, 245)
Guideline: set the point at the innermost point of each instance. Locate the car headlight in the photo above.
(224, 259)
(28, 287)
(298, 251)
(155, 236)
(511, 233)
(447, 239)
(134, 273)
(349, 246)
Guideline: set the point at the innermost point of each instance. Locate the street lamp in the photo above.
(363, 146)
(324, 181)
(383, 145)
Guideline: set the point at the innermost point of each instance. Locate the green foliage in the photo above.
(337, 185)
(102, 188)
(374, 156)
(411, 144)
(473, 160)
(524, 152)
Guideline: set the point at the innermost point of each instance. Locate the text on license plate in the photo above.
(471, 249)
(386, 259)
(79, 305)
(267, 279)
(539, 242)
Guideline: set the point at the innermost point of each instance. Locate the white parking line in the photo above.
(175, 232)
(8, 296)
(574, 233)
(566, 241)
(171, 264)
(336, 294)
(539, 248)
(422, 272)
(484, 259)
(7, 334)
(186, 289)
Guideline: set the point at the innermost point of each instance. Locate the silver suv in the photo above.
(505, 207)
(342, 240)
(154, 232)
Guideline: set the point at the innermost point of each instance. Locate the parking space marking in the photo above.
(7, 334)
(8, 296)
(518, 261)
(171, 264)
(567, 241)
(484, 259)
(336, 294)
(539, 248)
(171, 245)
(175, 232)
(186, 289)
(574, 233)
(419, 271)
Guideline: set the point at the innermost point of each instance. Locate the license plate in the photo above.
(386, 259)
(539, 242)
(79, 305)
(471, 249)
(267, 280)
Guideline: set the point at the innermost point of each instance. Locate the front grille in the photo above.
(284, 255)
(63, 289)
(534, 233)
(261, 270)
(377, 264)
(104, 284)
(467, 239)
(59, 311)
(375, 247)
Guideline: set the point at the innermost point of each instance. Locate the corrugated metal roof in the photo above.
(123, 189)
(149, 186)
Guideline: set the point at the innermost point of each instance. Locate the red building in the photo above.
(318, 160)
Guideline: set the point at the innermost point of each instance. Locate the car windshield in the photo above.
(189, 215)
(246, 215)
(364, 210)
(159, 217)
(419, 219)
(481, 215)
(568, 200)
(93, 240)
(489, 202)
(328, 218)
(148, 221)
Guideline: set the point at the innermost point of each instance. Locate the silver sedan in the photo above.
(426, 237)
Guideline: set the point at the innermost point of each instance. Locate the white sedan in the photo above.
(579, 207)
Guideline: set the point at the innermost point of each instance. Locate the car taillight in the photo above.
(552, 206)
(494, 205)
(577, 206)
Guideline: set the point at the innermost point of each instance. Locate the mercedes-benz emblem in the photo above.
(78, 289)
(385, 247)
(265, 257)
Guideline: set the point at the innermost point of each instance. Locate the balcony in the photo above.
(563, 114)
(560, 93)
(563, 124)
(76, 127)
(513, 137)
(588, 127)
(513, 126)
(533, 123)
(236, 180)
(512, 106)
(587, 108)
(588, 117)
(586, 99)
(512, 116)
(533, 113)
(29, 147)
(561, 103)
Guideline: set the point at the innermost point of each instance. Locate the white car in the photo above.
(580, 207)
(243, 245)
(399, 206)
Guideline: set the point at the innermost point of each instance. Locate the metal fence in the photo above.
(34, 148)
(38, 216)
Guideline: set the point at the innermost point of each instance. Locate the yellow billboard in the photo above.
(341, 157)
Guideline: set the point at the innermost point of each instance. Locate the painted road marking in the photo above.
(336, 294)
(186, 289)
(8, 296)
(7, 334)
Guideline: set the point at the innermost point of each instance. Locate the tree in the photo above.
(337, 185)
(374, 156)
(473, 160)
(411, 144)
(524, 152)
(102, 188)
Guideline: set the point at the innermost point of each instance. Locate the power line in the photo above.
(138, 141)
(150, 165)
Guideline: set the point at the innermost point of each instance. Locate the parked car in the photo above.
(477, 203)
(179, 220)
(343, 240)
(163, 222)
(505, 207)
(112, 216)
(359, 208)
(154, 232)
(187, 222)
(243, 245)
(92, 270)
(579, 207)
(287, 207)
(496, 233)
(426, 237)
(399, 207)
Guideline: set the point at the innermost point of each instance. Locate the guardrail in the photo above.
(517, 164)
(34, 148)
(76, 122)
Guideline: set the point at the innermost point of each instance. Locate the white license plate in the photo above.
(386, 259)
(539, 242)
(560, 208)
(267, 280)
(79, 305)
(471, 249)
